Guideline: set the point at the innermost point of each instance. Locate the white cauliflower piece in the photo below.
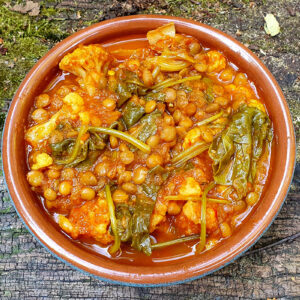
(65, 224)
(42, 160)
(190, 188)
(160, 33)
(91, 219)
(87, 63)
(192, 210)
(38, 132)
(216, 61)
(84, 117)
(193, 136)
(75, 101)
(73, 106)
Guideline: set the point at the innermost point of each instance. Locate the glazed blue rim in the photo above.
(122, 283)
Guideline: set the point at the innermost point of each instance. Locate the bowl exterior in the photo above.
(14, 162)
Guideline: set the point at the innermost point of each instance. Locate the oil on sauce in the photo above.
(128, 255)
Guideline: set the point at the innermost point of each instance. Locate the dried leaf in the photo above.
(32, 8)
(3, 50)
(271, 26)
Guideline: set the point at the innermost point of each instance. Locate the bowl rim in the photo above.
(81, 36)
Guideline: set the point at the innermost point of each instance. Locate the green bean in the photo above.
(123, 136)
(113, 221)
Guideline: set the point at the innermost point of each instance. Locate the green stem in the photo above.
(189, 153)
(168, 82)
(113, 221)
(195, 198)
(201, 245)
(123, 136)
(162, 83)
(210, 119)
(136, 82)
(173, 242)
(76, 148)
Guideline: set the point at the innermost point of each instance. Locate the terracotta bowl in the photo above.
(58, 244)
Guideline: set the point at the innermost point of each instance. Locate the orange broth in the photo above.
(174, 226)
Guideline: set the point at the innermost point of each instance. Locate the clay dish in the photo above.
(36, 219)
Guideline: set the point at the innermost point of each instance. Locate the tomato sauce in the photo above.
(75, 199)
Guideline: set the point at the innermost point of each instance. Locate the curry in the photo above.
(160, 149)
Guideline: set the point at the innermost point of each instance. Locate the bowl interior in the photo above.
(38, 221)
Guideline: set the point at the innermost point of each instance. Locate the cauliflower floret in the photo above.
(192, 210)
(66, 225)
(211, 219)
(202, 133)
(217, 62)
(193, 136)
(73, 106)
(84, 117)
(41, 131)
(75, 101)
(42, 160)
(89, 220)
(160, 33)
(158, 214)
(87, 63)
(190, 188)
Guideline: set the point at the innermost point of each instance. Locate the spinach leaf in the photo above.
(261, 132)
(129, 84)
(150, 188)
(149, 127)
(236, 151)
(185, 167)
(140, 224)
(83, 153)
(87, 154)
(209, 95)
(124, 222)
(132, 113)
(119, 125)
(96, 142)
(133, 223)
(59, 148)
(124, 92)
(99, 141)
(158, 96)
(89, 161)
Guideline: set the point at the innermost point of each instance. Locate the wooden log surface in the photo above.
(270, 269)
